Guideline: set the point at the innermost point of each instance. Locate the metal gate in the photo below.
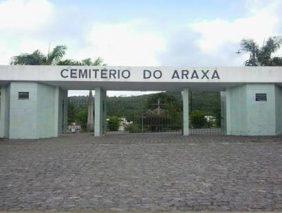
(205, 113)
(161, 112)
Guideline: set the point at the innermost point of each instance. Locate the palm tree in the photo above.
(261, 56)
(38, 58)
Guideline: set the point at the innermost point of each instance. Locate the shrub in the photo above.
(81, 118)
(133, 128)
(113, 123)
(197, 119)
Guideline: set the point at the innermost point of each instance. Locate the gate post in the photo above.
(185, 99)
(99, 122)
(65, 111)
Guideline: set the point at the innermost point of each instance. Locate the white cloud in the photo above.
(20, 23)
(25, 15)
(5, 52)
(214, 42)
(262, 22)
(124, 43)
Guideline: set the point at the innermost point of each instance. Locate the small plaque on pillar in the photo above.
(261, 97)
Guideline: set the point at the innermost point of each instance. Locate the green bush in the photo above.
(81, 118)
(197, 119)
(113, 123)
(133, 128)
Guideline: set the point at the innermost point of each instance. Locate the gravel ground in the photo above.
(151, 172)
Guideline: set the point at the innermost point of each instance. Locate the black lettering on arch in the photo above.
(125, 74)
(194, 75)
(82, 73)
(215, 75)
(64, 75)
(205, 74)
(157, 74)
(73, 73)
(112, 74)
(185, 73)
(175, 75)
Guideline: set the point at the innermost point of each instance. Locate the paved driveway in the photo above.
(145, 172)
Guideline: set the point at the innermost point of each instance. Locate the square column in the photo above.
(99, 121)
(4, 112)
(223, 111)
(56, 111)
(185, 99)
(65, 111)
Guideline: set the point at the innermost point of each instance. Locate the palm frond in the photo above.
(98, 62)
(56, 54)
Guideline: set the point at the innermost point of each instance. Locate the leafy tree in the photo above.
(262, 56)
(38, 58)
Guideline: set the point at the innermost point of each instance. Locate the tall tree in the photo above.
(262, 56)
(38, 58)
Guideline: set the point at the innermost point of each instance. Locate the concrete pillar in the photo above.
(278, 107)
(223, 111)
(185, 99)
(56, 111)
(65, 111)
(99, 124)
(105, 111)
(90, 119)
(227, 112)
(4, 112)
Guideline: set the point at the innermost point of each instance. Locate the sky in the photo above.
(134, 32)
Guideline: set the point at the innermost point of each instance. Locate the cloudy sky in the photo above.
(134, 32)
